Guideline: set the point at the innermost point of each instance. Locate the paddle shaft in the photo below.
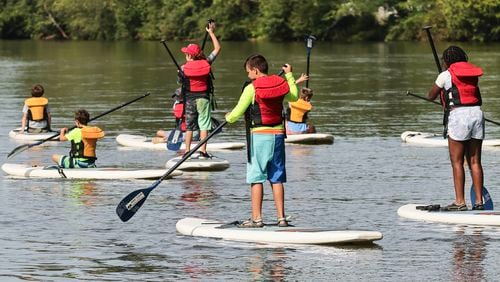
(206, 35)
(107, 112)
(309, 46)
(164, 42)
(92, 119)
(433, 47)
(423, 98)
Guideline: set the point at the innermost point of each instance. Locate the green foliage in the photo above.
(279, 20)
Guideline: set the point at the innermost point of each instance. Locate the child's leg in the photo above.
(257, 195)
(457, 151)
(161, 133)
(56, 158)
(279, 199)
(204, 119)
(473, 155)
(188, 139)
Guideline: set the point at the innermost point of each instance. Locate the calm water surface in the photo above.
(62, 230)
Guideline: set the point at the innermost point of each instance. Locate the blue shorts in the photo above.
(267, 159)
(296, 127)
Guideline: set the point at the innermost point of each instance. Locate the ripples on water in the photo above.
(59, 230)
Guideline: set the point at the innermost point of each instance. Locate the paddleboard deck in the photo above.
(309, 139)
(272, 233)
(143, 142)
(435, 140)
(466, 217)
(22, 170)
(18, 134)
(213, 164)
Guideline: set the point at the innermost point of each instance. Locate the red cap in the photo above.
(192, 49)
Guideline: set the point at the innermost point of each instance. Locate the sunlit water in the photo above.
(60, 229)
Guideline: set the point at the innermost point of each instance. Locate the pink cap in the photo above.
(192, 49)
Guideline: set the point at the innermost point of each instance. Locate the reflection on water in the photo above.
(198, 189)
(268, 265)
(469, 252)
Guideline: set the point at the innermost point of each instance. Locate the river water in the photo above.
(62, 230)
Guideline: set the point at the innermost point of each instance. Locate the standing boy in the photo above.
(264, 98)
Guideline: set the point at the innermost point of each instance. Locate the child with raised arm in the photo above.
(83, 143)
(263, 99)
(36, 112)
(464, 122)
(197, 88)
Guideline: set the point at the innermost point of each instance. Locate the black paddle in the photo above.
(129, 205)
(309, 46)
(431, 42)
(174, 142)
(25, 147)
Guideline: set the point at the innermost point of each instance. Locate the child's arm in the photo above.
(210, 29)
(62, 134)
(302, 78)
(23, 122)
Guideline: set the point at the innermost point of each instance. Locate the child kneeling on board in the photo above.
(83, 143)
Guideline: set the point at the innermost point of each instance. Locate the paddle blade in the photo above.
(487, 201)
(174, 141)
(20, 149)
(127, 207)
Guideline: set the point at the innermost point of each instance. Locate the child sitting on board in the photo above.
(297, 114)
(36, 112)
(83, 140)
(177, 110)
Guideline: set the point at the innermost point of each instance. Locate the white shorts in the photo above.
(465, 123)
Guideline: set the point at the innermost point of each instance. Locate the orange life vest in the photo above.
(299, 110)
(37, 108)
(86, 147)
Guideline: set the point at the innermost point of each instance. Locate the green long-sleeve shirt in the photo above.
(248, 97)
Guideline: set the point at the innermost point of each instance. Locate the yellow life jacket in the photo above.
(86, 147)
(37, 108)
(299, 110)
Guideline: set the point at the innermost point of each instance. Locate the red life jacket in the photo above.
(197, 76)
(464, 89)
(178, 111)
(267, 109)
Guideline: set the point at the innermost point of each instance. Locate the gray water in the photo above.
(62, 230)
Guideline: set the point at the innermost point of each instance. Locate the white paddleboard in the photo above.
(23, 170)
(143, 142)
(467, 217)
(17, 134)
(437, 140)
(213, 164)
(309, 139)
(272, 233)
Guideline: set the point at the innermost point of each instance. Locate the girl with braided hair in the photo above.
(464, 122)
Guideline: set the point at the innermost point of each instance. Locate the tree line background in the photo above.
(277, 20)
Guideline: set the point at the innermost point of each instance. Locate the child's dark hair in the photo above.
(454, 54)
(82, 116)
(306, 93)
(257, 62)
(37, 90)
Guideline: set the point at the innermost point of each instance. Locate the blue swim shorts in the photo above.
(267, 159)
